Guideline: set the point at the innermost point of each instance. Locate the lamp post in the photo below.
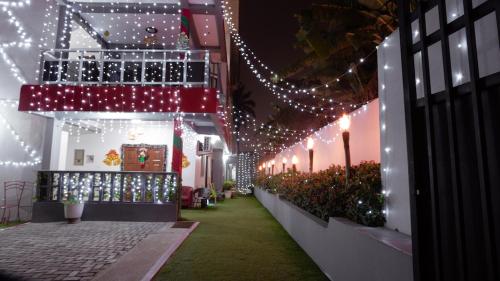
(295, 161)
(345, 124)
(284, 165)
(269, 167)
(310, 146)
(272, 167)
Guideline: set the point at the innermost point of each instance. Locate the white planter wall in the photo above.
(344, 251)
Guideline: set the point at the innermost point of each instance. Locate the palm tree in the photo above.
(243, 106)
(333, 36)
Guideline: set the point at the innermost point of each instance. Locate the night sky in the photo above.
(269, 27)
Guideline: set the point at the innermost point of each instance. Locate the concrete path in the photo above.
(146, 259)
(88, 250)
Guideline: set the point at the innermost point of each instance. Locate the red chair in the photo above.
(187, 196)
(11, 187)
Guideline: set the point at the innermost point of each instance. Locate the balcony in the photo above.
(188, 68)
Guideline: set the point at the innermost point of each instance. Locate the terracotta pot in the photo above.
(73, 212)
(228, 194)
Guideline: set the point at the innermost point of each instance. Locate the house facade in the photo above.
(133, 97)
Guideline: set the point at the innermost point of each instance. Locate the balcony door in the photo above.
(144, 158)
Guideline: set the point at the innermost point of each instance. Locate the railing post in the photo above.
(80, 67)
(144, 178)
(143, 68)
(184, 70)
(164, 69)
(60, 187)
(59, 68)
(122, 68)
(207, 68)
(101, 67)
(42, 67)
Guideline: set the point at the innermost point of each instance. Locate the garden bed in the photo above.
(327, 194)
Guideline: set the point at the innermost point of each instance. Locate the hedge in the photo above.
(325, 194)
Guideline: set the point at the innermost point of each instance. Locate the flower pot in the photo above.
(228, 194)
(73, 212)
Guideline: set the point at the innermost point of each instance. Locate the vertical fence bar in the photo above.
(477, 111)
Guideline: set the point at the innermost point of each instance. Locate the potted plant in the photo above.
(73, 209)
(227, 187)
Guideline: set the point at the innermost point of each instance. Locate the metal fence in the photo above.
(126, 67)
(118, 187)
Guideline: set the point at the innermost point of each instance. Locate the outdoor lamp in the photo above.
(310, 146)
(269, 167)
(272, 167)
(295, 161)
(284, 164)
(345, 124)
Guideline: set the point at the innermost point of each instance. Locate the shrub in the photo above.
(228, 185)
(325, 194)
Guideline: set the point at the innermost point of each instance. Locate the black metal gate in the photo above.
(453, 144)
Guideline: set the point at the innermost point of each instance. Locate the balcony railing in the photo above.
(126, 67)
(109, 187)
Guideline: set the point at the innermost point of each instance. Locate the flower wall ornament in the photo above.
(112, 158)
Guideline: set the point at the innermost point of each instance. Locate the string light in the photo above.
(28, 150)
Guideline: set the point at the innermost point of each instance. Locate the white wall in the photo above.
(151, 134)
(29, 127)
(393, 135)
(329, 146)
(93, 145)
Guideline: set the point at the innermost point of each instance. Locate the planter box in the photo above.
(344, 251)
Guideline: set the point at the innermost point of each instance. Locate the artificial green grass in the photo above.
(238, 240)
(9, 224)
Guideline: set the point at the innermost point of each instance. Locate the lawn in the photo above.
(9, 224)
(238, 240)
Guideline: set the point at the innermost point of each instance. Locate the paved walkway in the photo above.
(59, 251)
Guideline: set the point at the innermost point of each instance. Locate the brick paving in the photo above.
(60, 251)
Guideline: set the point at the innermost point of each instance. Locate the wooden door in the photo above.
(155, 161)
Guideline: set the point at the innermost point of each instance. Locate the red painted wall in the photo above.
(117, 99)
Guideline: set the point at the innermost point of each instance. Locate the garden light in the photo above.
(345, 124)
(284, 164)
(295, 161)
(272, 167)
(310, 146)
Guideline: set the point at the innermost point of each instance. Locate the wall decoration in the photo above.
(79, 157)
(89, 159)
(142, 155)
(185, 161)
(134, 133)
(112, 158)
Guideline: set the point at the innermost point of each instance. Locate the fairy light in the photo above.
(282, 93)
(27, 149)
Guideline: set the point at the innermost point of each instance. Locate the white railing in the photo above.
(126, 67)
